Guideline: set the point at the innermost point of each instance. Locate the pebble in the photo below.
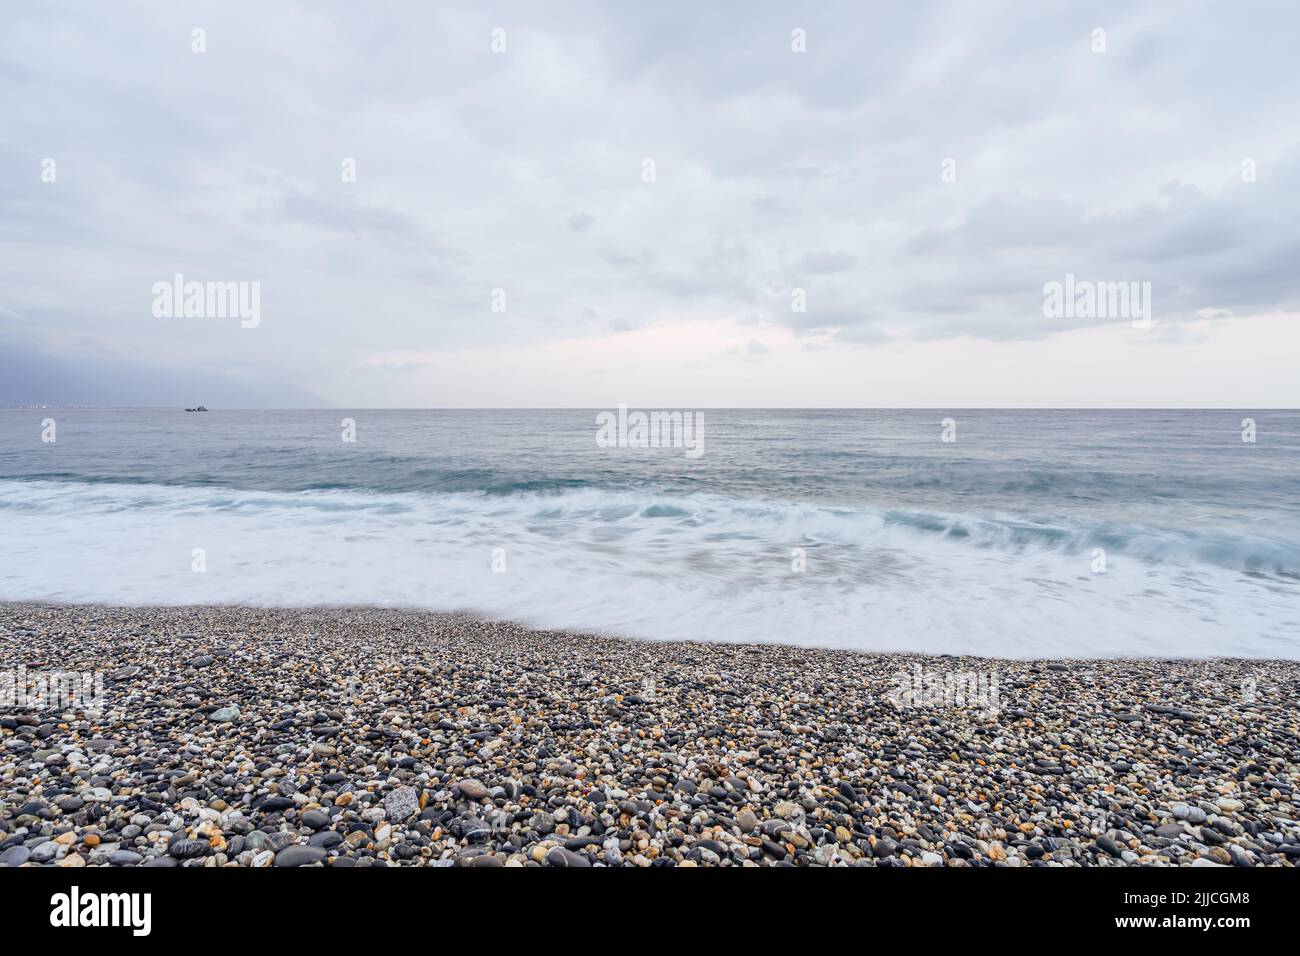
(1191, 814)
(46, 852)
(402, 804)
(316, 819)
(299, 856)
(559, 856)
(386, 738)
(15, 856)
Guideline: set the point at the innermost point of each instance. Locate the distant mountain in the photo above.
(30, 376)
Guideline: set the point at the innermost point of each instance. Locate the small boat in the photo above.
(201, 408)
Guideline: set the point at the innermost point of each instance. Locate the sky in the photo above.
(669, 205)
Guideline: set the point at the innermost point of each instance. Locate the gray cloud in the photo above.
(29, 376)
(774, 170)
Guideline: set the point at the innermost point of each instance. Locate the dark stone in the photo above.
(316, 819)
(188, 849)
(1109, 845)
(559, 856)
(326, 839)
(299, 856)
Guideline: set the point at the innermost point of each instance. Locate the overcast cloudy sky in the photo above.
(774, 170)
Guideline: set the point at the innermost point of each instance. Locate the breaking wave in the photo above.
(667, 566)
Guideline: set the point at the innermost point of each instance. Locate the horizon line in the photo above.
(717, 408)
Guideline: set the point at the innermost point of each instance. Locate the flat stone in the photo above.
(559, 856)
(45, 852)
(299, 856)
(316, 819)
(15, 856)
(472, 789)
(188, 849)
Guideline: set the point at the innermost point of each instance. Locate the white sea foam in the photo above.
(701, 567)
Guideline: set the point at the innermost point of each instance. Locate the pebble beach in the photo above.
(230, 736)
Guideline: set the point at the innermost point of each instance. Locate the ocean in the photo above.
(1127, 533)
